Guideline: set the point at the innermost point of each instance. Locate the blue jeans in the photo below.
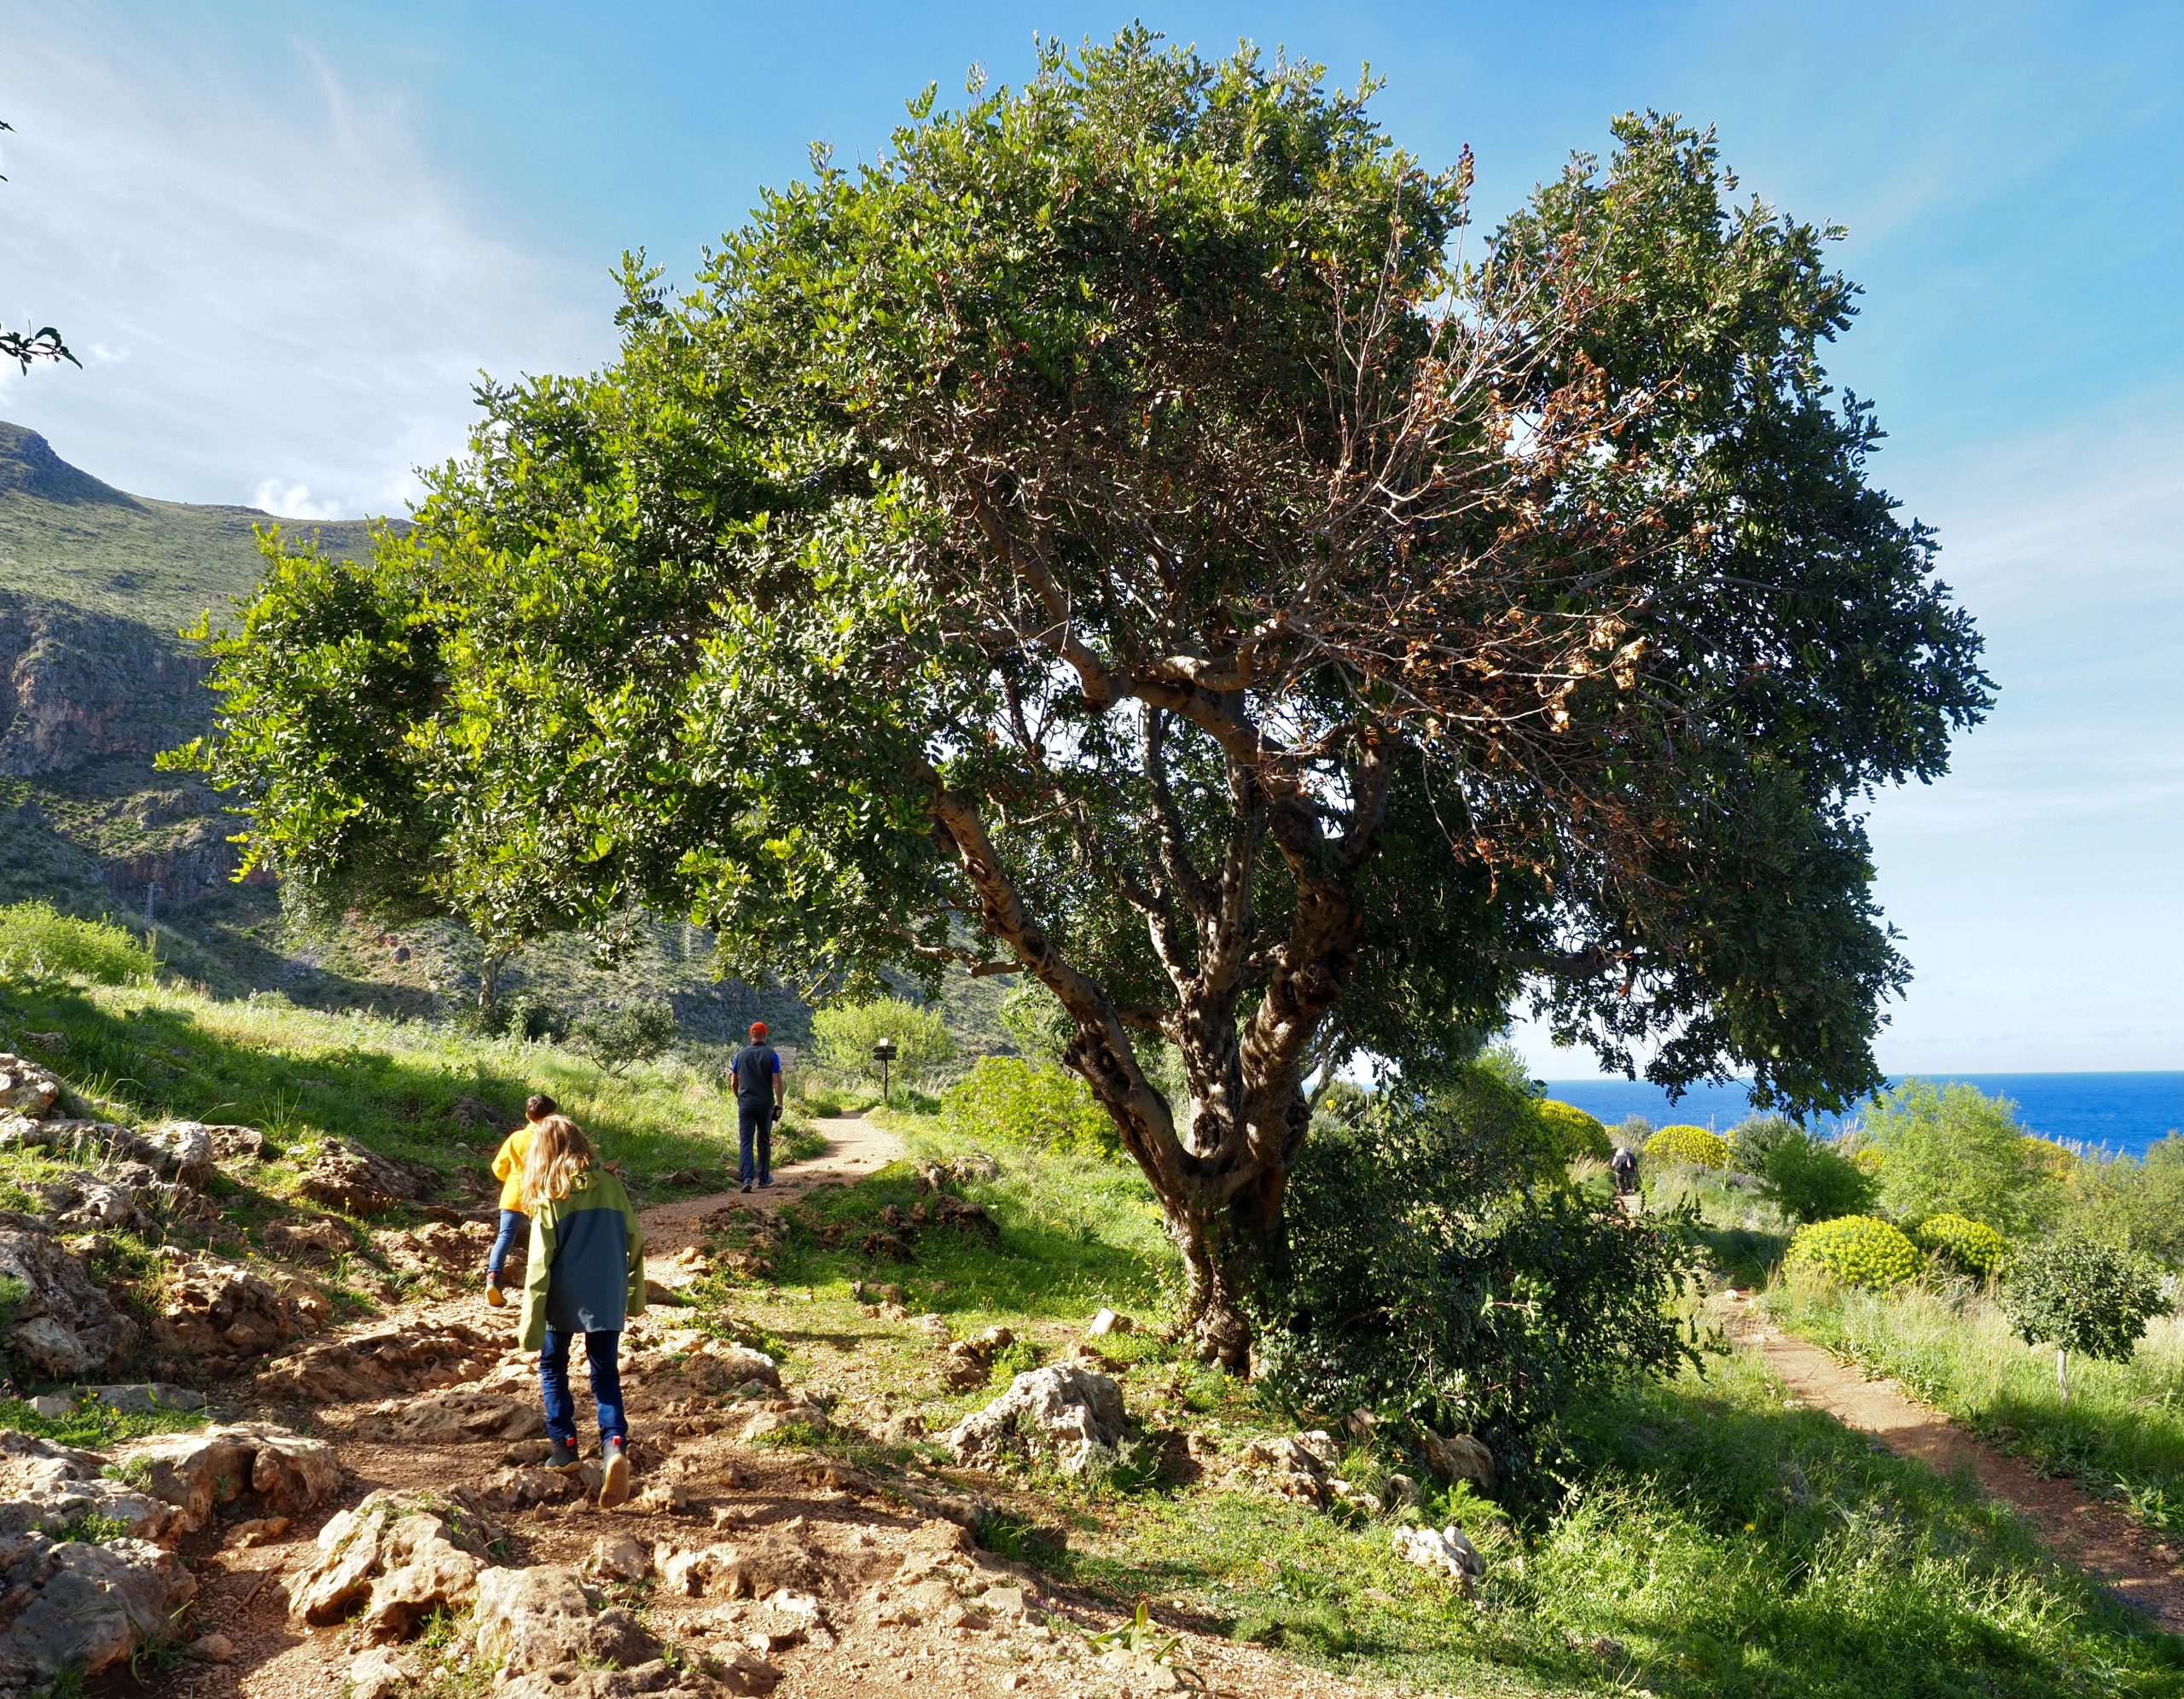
(604, 1352)
(512, 1222)
(758, 1121)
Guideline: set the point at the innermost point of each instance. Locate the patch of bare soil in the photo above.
(753, 1567)
(2078, 1528)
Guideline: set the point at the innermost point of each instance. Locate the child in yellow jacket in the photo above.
(586, 1275)
(508, 1169)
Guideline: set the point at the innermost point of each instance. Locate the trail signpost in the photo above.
(883, 1052)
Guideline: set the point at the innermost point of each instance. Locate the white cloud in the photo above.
(293, 501)
(293, 279)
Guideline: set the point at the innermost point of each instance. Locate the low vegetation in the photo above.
(1699, 1534)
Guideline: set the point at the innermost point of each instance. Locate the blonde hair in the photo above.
(559, 1154)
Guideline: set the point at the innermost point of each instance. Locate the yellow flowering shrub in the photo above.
(1692, 1144)
(1971, 1247)
(1858, 1250)
(1575, 1133)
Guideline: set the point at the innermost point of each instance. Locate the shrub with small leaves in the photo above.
(1807, 1178)
(1690, 1144)
(1858, 1250)
(1011, 1099)
(1576, 1134)
(1959, 1243)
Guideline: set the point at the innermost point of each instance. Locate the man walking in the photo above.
(757, 1072)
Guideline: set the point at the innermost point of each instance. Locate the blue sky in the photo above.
(285, 238)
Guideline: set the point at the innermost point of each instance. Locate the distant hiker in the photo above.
(1624, 1166)
(757, 1072)
(508, 1169)
(587, 1276)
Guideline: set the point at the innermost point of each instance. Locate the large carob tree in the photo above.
(1118, 536)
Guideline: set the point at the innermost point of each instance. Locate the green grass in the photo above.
(141, 1054)
(93, 1428)
(1714, 1544)
(2122, 1432)
(1716, 1538)
(1076, 1234)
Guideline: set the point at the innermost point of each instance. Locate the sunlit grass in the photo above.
(2123, 1430)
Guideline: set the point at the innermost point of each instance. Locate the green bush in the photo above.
(1751, 1142)
(1967, 1246)
(632, 1031)
(844, 1033)
(2077, 1295)
(38, 942)
(1690, 1144)
(1857, 1250)
(1576, 1134)
(2134, 1203)
(1016, 1101)
(1808, 1179)
(1951, 1149)
(1432, 1285)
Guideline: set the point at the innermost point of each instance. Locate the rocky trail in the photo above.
(368, 1516)
(2078, 1528)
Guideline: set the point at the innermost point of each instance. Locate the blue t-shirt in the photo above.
(754, 1068)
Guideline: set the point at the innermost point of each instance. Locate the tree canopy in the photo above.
(1134, 533)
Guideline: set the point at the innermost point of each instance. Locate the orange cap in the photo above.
(758, 1029)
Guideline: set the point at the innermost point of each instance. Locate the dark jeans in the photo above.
(604, 1352)
(512, 1222)
(755, 1120)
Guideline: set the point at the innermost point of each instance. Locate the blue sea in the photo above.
(2122, 1112)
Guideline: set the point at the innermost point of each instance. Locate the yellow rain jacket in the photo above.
(508, 1165)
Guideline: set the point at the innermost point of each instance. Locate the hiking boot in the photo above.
(561, 1453)
(614, 1486)
(495, 1298)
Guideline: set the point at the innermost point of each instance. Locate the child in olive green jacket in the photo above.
(586, 1275)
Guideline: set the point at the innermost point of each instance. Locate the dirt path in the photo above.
(872, 1569)
(855, 1149)
(2079, 1529)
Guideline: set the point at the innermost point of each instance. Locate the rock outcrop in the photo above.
(46, 1487)
(285, 1473)
(1459, 1458)
(390, 1562)
(360, 1181)
(1065, 1412)
(215, 1316)
(1444, 1550)
(68, 1606)
(26, 1087)
(399, 1357)
(532, 1620)
(62, 1326)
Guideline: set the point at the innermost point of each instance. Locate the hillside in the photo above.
(96, 585)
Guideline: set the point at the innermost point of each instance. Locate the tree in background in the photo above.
(1120, 536)
(2079, 1295)
(1952, 1149)
(844, 1033)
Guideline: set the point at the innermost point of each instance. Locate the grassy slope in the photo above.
(66, 537)
(1715, 1540)
(139, 1055)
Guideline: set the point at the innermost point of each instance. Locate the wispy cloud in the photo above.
(303, 297)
